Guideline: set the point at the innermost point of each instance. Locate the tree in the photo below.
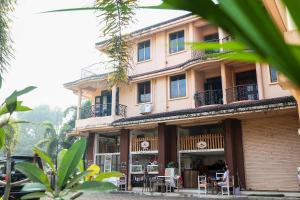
(6, 7)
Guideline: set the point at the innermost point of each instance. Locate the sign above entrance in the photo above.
(145, 145)
(201, 145)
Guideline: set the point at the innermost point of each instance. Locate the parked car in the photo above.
(16, 192)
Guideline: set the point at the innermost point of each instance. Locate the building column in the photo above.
(234, 153)
(124, 152)
(90, 148)
(113, 100)
(161, 148)
(167, 146)
(79, 103)
(259, 79)
(224, 82)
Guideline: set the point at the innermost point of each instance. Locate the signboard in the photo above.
(145, 145)
(201, 145)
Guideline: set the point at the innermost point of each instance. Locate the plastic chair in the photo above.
(229, 183)
(202, 185)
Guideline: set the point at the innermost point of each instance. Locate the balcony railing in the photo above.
(202, 142)
(102, 110)
(144, 144)
(242, 93)
(208, 97)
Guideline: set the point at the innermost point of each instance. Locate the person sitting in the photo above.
(224, 180)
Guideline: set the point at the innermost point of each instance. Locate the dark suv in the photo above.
(16, 192)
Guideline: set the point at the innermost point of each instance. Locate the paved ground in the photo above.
(127, 196)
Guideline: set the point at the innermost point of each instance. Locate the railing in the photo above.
(204, 54)
(208, 97)
(96, 69)
(121, 110)
(102, 110)
(144, 144)
(242, 93)
(203, 141)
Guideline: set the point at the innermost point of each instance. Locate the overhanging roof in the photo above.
(213, 110)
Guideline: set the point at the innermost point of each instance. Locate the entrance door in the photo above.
(103, 104)
(213, 91)
(108, 162)
(246, 86)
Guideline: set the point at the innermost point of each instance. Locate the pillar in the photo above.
(79, 103)
(90, 148)
(113, 100)
(234, 154)
(124, 151)
(167, 146)
(259, 79)
(224, 82)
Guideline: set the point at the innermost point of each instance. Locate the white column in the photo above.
(113, 100)
(79, 103)
(259, 79)
(224, 82)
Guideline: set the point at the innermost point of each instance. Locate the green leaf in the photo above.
(2, 137)
(293, 6)
(94, 185)
(21, 108)
(45, 157)
(34, 173)
(76, 179)
(104, 175)
(25, 90)
(237, 46)
(70, 161)
(33, 187)
(34, 195)
(72, 9)
(240, 56)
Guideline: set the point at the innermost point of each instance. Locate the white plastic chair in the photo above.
(202, 185)
(122, 183)
(229, 183)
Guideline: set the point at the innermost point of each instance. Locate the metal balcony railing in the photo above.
(102, 110)
(208, 97)
(242, 93)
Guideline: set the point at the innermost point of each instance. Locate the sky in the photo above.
(51, 49)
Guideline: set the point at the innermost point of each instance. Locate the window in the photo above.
(144, 51)
(211, 38)
(178, 86)
(144, 92)
(176, 42)
(273, 74)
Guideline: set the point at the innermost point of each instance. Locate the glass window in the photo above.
(176, 42)
(178, 86)
(144, 92)
(273, 74)
(144, 51)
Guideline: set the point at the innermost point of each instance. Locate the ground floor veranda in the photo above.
(261, 149)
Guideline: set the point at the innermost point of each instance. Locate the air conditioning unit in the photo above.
(145, 108)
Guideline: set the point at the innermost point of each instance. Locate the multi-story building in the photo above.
(190, 108)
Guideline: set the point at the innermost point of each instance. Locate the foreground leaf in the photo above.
(2, 137)
(70, 161)
(76, 179)
(34, 195)
(45, 157)
(34, 173)
(105, 175)
(94, 185)
(33, 187)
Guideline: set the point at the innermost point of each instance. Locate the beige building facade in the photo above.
(192, 109)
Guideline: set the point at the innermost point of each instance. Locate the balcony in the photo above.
(208, 97)
(242, 93)
(102, 110)
(203, 142)
(145, 144)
